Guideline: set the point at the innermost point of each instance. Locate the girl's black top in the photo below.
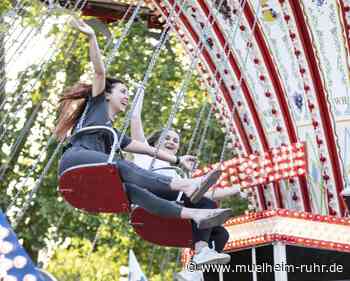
(98, 140)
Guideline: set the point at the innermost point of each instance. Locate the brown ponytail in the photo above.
(72, 105)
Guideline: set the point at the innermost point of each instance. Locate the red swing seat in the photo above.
(169, 232)
(95, 188)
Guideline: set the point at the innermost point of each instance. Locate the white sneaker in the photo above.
(210, 256)
(189, 276)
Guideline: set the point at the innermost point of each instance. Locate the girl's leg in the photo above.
(201, 237)
(77, 155)
(154, 182)
(165, 208)
(153, 204)
(219, 236)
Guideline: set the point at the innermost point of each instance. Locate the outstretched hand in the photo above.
(83, 27)
(188, 161)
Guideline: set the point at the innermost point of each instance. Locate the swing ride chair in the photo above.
(96, 187)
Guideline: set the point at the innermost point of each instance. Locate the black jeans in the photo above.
(149, 190)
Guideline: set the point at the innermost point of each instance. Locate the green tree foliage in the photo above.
(49, 222)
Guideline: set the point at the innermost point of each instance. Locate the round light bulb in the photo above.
(6, 247)
(29, 277)
(19, 262)
(4, 232)
(10, 278)
(5, 264)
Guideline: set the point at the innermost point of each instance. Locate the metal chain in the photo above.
(205, 130)
(232, 39)
(41, 73)
(33, 167)
(39, 181)
(43, 62)
(14, 148)
(36, 187)
(121, 21)
(245, 62)
(25, 40)
(124, 34)
(12, 24)
(68, 51)
(164, 262)
(21, 46)
(196, 129)
(199, 48)
(141, 86)
(224, 147)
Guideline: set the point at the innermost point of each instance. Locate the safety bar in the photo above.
(109, 129)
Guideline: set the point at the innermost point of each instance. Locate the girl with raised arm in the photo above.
(98, 105)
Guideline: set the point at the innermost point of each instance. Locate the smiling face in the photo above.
(171, 142)
(118, 98)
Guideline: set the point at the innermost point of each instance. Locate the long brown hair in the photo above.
(72, 105)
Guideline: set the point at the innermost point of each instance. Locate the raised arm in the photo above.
(137, 132)
(135, 146)
(99, 79)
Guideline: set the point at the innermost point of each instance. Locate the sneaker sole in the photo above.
(204, 186)
(217, 220)
(216, 261)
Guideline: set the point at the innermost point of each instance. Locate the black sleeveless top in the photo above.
(98, 140)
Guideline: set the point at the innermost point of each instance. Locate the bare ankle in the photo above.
(188, 213)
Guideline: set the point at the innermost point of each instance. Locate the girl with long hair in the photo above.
(99, 104)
